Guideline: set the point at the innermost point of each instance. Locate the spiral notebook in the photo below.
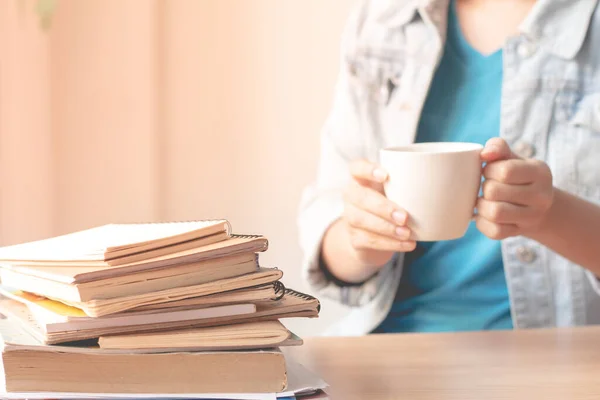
(46, 319)
(116, 244)
(292, 304)
(44, 329)
(53, 322)
(255, 294)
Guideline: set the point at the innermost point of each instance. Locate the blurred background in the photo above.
(155, 110)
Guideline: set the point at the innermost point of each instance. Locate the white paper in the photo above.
(300, 379)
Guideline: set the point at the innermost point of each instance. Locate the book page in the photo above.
(12, 334)
(46, 307)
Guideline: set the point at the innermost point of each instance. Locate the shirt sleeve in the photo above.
(594, 281)
(342, 141)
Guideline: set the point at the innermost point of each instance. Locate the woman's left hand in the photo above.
(517, 193)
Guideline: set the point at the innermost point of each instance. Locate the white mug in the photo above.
(437, 184)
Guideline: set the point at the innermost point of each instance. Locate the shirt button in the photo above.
(526, 255)
(524, 150)
(525, 49)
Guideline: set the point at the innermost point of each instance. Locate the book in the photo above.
(114, 243)
(52, 285)
(29, 366)
(43, 324)
(56, 309)
(103, 307)
(245, 336)
(256, 294)
(86, 330)
(301, 382)
(76, 272)
(36, 316)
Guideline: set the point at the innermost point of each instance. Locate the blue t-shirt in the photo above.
(456, 285)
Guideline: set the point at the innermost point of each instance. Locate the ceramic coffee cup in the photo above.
(437, 184)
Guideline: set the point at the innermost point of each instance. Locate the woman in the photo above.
(521, 77)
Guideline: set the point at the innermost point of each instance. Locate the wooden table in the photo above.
(561, 364)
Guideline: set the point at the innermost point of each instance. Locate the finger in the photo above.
(496, 149)
(361, 219)
(514, 172)
(376, 203)
(525, 195)
(364, 170)
(501, 212)
(495, 231)
(365, 240)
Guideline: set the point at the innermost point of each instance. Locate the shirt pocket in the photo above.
(376, 80)
(375, 75)
(585, 136)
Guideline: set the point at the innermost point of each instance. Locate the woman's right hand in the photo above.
(375, 225)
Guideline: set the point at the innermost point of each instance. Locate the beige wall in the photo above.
(243, 112)
(26, 159)
(168, 110)
(104, 100)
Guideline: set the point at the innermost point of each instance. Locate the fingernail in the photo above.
(491, 148)
(380, 174)
(399, 217)
(402, 232)
(411, 245)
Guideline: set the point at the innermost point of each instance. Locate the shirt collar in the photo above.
(392, 14)
(560, 25)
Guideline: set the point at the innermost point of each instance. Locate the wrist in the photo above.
(547, 225)
(340, 258)
(371, 261)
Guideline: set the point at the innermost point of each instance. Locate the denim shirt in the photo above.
(550, 110)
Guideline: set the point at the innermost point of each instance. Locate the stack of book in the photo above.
(172, 308)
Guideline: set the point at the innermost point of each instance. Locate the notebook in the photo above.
(81, 272)
(114, 243)
(100, 308)
(86, 329)
(133, 284)
(245, 336)
(293, 304)
(53, 322)
(71, 320)
(29, 366)
(268, 292)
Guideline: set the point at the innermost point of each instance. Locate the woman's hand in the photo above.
(517, 193)
(376, 226)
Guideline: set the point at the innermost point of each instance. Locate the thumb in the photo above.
(368, 174)
(496, 149)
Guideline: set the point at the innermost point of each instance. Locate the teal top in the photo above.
(456, 285)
